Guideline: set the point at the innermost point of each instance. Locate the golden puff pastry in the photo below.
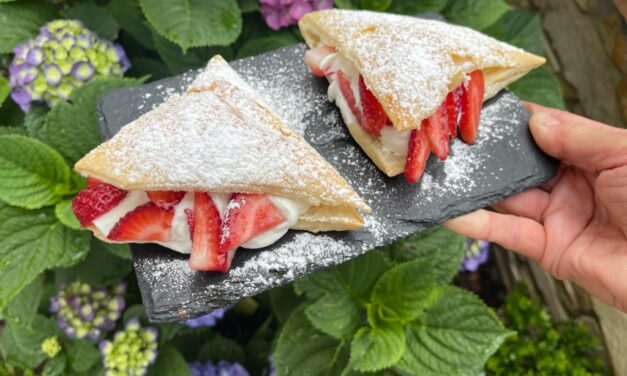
(410, 65)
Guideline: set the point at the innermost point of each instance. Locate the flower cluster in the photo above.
(209, 319)
(131, 352)
(51, 347)
(87, 311)
(282, 13)
(222, 368)
(475, 254)
(61, 58)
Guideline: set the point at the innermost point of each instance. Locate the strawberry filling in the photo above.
(460, 109)
(209, 226)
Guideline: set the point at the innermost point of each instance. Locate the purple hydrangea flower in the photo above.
(209, 319)
(61, 58)
(84, 311)
(222, 368)
(271, 366)
(476, 253)
(131, 351)
(282, 13)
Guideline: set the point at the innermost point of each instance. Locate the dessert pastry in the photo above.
(208, 171)
(405, 85)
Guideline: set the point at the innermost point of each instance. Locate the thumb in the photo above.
(579, 141)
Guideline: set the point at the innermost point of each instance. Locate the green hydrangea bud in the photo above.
(131, 352)
(51, 347)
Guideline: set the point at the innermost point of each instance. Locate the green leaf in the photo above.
(220, 348)
(336, 314)
(4, 131)
(100, 267)
(404, 291)
(118, 249)
(169, 363)
(95, 18)
(55, 366)
(347, 4)
(5, 90)
(21, 345)
(23, 308)
(457, 334)
(414, 7)
(71, 127)
(32, 241)
(361, 273)
(520, 27)
(283, 301)
(303, 350)
(65, 214)
(130, 17)
(82, 355)
(376, 5)
(195, 23)
(539, 86)
(21, 20)
(445, 248)
(11, 114)
(145, 66)
(256, 46)
(32, 174)
(373, 349)
(247, 6)
(136, 310)
(35, 119)
(476, 14)
(179, 62)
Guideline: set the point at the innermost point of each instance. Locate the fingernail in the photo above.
(544, 119)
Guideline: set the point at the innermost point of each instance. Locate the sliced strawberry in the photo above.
(247, 216)
(165, 199)
(471, 102)
(347, 92)
(436, 128)
(314, 56)
(206, 254)
(417, 155)
(452, 110)
(95, 200)
(373, 117)
(148, 223)
(93, 181)
(189, 213)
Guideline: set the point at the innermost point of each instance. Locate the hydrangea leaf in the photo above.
(5, 90)
(145, 66)
(336, 314)
(21, 20)
(459, 328)
(128, 14)
(32, 241)
(376, 5)
(283, 301)
(404, 291)
(256, 46)
(169, 363)
(64, 213)
(373, 349)
(55, 366)
(414, 7)
(35, 119)
(347, 4)
(179, 62)
(96, 18)
(21, 344)
(23, 307)
(195, 23)
(248, 6)
(71, 127)
(82, 355)
(220, 348)
(301, 349)
(539, 86)
(520, 27)
(11, 114)
(476, 14)
(32, 174)
(120, 250)
(12, 130)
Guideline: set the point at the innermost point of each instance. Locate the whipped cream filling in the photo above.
(392, 141)
(181, 239)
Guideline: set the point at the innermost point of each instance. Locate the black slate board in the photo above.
(504, 161)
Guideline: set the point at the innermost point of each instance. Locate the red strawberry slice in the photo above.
(436, 128)
(165, 199)
(147, 222)
(206, 253)
(452, 110)
(471, 102)
(95, 200)
(189, 213)
(373, 117)
(93, 181)
(347, 92)
(417, 155)
(247, 216)
(314, 56)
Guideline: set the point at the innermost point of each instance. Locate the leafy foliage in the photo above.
(21, 20)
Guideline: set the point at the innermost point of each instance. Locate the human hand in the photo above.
(575, 226)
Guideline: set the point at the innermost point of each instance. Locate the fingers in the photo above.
(578, 141)
(611, 187)
(530, 204)
(522, 235)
